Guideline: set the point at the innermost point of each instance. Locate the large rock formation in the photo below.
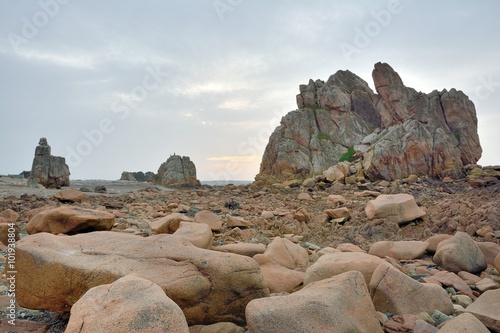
(177, 171)
(47, 170)
(395, 133)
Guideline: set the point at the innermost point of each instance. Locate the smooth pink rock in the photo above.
(130, 304)
(486, 308)
(398, 208)
(397, 293)
(287, 254)
(460, 253)
(332, 264)
(400, 250)
(464, 323)
(339, 304)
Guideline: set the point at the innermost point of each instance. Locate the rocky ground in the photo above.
(296, 213)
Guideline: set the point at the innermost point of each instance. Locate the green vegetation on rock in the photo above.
(323, 136)
(348, 156)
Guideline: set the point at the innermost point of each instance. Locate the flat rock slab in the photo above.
(398, 208)
(245, 249)
(401, 250)
(70, 220)
(71, 196)
(54, 272)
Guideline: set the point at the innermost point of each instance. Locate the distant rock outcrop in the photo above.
(138, 176)
(177, 171)
(394, 133)
(47, 170)
(128, 176)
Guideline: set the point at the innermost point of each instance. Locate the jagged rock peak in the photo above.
(47, 170)
(177, 171)
(394, 132)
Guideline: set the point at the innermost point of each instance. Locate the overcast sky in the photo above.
(121, 85)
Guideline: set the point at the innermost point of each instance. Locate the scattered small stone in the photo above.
(267, 214)
(304, 196)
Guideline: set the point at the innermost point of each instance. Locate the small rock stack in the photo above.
(177, 171)
(47, 170)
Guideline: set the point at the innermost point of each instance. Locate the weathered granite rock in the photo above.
(130, 304)
(70, 220)
(486, 308)
(177, 171)
(169, 224)
(332, 264)
(287, 254)
(464, 323)
(449, 279)
(235, 221)
(490, 251)
(213, 220)
(460, 253)
(209, 286)
(279, 278)
(396, 132)
(401, 250)
(245, 249)
(7, 230)
(335, 213)
(47, 170)
(71, 196)
(10, 215)
(336, 199)
(435, 240)
(397, 293)
(337, 172)
(338, 304)
(486, 284)
(398, 208)
(199, 234)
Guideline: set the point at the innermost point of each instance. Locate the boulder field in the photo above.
(259, 259)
